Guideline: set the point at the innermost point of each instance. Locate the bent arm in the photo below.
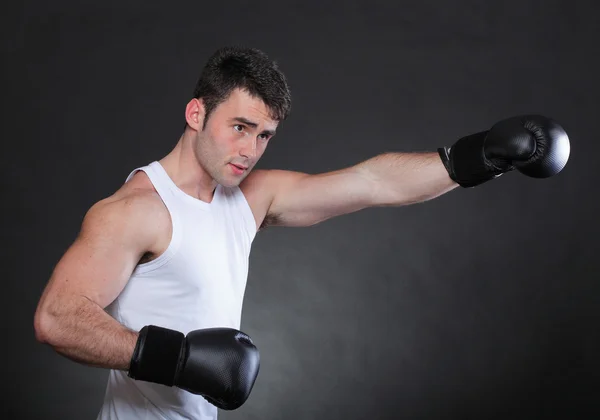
(70, 316)
(79, 329)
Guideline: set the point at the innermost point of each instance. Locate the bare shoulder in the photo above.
(136, 208)
(260, 188)
(136, 196)
(115, 234)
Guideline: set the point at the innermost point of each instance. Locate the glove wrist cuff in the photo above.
(156, 355)
(466, 163)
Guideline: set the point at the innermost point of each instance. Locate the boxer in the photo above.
(152, 288)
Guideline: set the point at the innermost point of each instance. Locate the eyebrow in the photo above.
(253, 125)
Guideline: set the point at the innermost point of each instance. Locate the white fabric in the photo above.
(199, 282)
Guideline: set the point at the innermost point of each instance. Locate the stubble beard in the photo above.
(216, 168)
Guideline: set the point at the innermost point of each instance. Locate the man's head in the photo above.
(238, 102)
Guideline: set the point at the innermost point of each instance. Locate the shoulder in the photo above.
(262, 186)
(136, 208)
(135, 196)
(269, 181)
(257, 191)
(257, 182)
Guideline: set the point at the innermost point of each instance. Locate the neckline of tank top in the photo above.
(182, 194)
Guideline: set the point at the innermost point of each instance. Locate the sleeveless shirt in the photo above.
(198, 282)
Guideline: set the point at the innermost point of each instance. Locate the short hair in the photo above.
(249, 69)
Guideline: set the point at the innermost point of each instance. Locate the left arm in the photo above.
(390, 179)
(535, 145)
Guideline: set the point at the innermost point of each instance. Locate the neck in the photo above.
(185, 171)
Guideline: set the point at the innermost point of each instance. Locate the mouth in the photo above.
(238, 169)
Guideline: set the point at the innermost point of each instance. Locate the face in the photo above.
(235, 137)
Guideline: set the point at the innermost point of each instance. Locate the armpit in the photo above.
(269, 220)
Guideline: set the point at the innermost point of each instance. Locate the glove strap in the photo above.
(466, 163)
(156, 355)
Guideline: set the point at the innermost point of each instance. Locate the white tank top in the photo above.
(198, 282)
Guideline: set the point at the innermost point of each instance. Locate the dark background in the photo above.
(481, 304)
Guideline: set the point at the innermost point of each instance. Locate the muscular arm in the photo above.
(390, 179)
(85, 333)
(406, 178)
(70, 316)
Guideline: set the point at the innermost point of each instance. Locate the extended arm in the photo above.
(399, 179)
(535, 145)
(390, 179)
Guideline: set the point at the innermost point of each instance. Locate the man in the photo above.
(152, 288)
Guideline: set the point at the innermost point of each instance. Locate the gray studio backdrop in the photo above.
(481, 304)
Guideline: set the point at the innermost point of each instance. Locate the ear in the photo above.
(194, 114)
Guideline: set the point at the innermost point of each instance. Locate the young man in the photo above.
(152, 288)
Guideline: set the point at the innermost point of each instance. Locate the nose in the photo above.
(248, 149)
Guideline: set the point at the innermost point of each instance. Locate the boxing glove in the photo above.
(221, 364)
(532, 144)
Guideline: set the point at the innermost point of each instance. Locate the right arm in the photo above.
(70, 316)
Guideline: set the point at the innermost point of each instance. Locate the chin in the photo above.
(230, 182)
(228, 179)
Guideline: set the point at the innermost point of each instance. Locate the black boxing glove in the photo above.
(534, 145)
(221, 364)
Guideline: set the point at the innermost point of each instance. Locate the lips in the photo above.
(243, 168)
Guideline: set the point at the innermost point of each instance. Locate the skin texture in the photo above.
(133, 225)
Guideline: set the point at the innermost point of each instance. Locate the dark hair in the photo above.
(249, 69)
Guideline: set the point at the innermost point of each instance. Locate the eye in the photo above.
(239, 128)
(263, 136)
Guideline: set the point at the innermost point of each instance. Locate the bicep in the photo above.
(95, 268)
(303, 200)
(99, 262)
